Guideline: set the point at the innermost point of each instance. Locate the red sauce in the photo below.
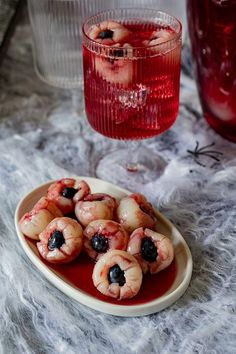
(79, 274)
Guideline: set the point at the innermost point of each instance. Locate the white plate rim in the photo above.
(85, 299)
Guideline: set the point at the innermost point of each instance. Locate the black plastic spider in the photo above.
(203, 151)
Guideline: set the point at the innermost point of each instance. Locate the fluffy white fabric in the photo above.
(42, 138)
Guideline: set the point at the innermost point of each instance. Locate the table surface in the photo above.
(42, 138)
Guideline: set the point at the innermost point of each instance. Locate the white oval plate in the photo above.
(183, 258)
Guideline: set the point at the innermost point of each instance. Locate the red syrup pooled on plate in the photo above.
(79, 274)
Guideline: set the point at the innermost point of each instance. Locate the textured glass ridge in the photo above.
(56, 30)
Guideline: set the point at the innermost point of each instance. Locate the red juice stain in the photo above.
(79, 274)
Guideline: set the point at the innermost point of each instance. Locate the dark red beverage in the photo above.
(212, 25)
(132, 83)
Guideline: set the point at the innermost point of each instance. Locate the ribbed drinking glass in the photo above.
(56, 29)
(131, 76)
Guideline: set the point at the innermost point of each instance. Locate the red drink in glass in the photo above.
(132, 85)
(212, 26)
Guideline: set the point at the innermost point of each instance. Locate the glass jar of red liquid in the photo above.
(212, 27)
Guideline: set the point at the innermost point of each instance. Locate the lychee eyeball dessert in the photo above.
(101, 236)
(135, 211)
(66, 192)
(117, 274)
(35, 221)
(153, 251)
(159, 36)
(95, 206)
(114, 69)
(108, 32)
(61, 241)
(117, 71)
